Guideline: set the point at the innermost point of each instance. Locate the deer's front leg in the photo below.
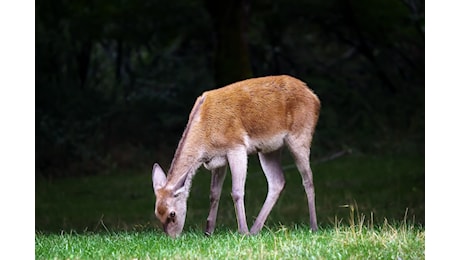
(271, 165)
(238, 161)
(217, 180)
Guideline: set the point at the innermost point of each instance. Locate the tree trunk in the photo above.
(232, 54)
(83, 58)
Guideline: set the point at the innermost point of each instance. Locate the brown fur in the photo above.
(258, 108)
(242, 108)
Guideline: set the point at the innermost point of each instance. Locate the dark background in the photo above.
(115, 80)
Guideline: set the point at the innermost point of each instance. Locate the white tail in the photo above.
(257, 115)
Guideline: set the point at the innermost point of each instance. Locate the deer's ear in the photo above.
(158, 177)
(180, 185)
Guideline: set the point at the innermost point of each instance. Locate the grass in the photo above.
(342, 242)
(367, 206)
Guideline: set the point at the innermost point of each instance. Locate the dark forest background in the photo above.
(115, 80)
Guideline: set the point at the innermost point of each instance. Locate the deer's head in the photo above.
(171, 202)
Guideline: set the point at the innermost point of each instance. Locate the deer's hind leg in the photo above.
(300, 149)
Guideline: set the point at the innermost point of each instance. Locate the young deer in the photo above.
(257, 115)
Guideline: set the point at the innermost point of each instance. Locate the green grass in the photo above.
(342, 242)
(367, 206)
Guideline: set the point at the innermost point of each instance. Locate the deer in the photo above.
(225, 125)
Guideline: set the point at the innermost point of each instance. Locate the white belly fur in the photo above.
(264, 145)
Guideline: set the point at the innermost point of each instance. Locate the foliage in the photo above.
(115, 80)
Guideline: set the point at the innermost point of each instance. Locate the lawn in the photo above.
(359, 242)
(367, 206)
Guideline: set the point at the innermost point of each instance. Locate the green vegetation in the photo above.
(368, 207)
(343, 242)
